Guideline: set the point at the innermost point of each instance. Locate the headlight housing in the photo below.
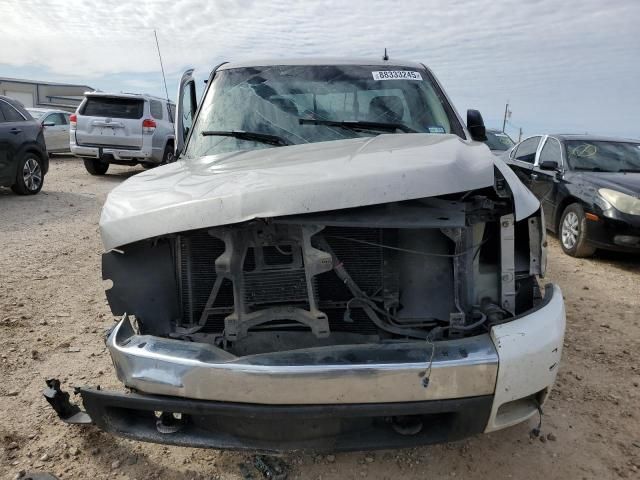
(621, 201)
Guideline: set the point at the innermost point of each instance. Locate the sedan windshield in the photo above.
(305, 104)
(603, 156)
(498, 141)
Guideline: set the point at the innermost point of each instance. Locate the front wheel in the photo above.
(95, 166)
(29, 178)
(573, 232)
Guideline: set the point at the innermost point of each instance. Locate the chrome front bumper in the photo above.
(527, 350)
(393, 372)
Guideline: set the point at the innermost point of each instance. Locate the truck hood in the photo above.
(235, 187)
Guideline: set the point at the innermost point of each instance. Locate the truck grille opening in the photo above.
(275, 285)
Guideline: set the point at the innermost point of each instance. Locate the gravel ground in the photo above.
(53, 314)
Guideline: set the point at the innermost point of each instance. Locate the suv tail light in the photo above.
(148, 125)
(73, 120)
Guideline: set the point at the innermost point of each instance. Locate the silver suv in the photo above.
(122, 128)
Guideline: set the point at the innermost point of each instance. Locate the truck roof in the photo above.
(322, 61)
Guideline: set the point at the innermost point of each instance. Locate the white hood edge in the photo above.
(241, 186)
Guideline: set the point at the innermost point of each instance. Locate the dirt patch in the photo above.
(52, 321)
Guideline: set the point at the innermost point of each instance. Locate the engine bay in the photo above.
(430, 269)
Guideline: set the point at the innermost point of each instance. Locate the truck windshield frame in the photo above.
(272, 100)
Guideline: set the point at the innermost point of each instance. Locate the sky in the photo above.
(570, 66)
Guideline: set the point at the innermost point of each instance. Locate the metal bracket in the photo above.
(462, 270)
(239, 327)
(230, 265)
(457, 321)
(535, 252)
(507, 264)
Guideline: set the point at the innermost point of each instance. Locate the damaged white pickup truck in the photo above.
(335, 262)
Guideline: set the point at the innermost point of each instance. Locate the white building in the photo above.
(32, 93)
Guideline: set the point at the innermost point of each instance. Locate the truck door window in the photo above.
(187, 118)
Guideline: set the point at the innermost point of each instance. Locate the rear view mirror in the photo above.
(185, 110)
(48, 124)
(475, 125)
(548, 165)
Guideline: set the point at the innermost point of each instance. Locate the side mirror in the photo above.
(548, 165)
(48, 124)
(475, 125)
(185, 110)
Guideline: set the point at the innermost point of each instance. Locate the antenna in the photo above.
(385, 57)
(166, 91)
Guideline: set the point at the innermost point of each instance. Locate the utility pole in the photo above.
(520, 135)
(506, 113)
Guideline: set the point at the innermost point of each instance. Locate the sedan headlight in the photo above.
(621, 201)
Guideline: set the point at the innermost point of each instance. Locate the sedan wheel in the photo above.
(570, 230)
(573, 232)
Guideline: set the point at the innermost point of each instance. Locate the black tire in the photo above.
(572, 232)
(168, 155)
(29, 177)
(95, 166)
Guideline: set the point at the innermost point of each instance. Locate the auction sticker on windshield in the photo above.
(396, 75)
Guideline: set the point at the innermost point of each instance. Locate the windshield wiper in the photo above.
(358, 125)
(590, 169)
(252, 136)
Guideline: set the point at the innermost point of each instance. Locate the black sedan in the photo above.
(23, 154)
(589, 188)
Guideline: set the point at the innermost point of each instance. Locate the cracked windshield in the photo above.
(252, 108)
(604, 156)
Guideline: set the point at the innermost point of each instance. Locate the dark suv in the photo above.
(23, 154)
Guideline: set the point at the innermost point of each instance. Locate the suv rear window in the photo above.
(113, 107)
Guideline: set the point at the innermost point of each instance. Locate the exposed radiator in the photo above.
(365, 263)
